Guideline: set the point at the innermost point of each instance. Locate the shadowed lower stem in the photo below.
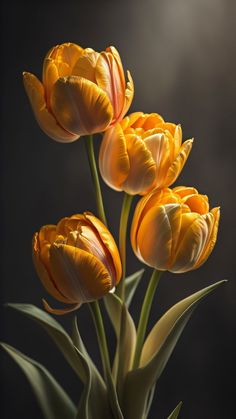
(95, 178)
(144, 316)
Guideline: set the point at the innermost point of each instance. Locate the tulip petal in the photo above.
(85, 66)
(197, 203)
(113, 157)
(142, 167)
(80, 105)
(110, 78)
(45, 119)
(159, 146)
(129, 120)
(109, 242)
(178, 164)
(129, 95)
(59, 311)
(183, 191)
(43, 272)
(191, 245)
(213, 228)
(81, 276)
(158, 234)
(67, 53)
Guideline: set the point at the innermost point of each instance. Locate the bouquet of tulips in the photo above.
(84, 92)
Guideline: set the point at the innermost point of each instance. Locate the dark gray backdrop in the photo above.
(182, 57)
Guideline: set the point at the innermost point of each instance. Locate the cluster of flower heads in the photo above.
(85, 92)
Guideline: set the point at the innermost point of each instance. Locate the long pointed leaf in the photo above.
(156, 352)
(52, 399)
(57, 333)
(131, 283)
(175, 413)
(94, 400)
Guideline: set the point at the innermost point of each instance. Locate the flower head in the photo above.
(174, 230)
(141, 153)
(77, 260)
(82, 91)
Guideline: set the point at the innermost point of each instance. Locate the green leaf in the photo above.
(131, 283)
(58, 334)
(157, 350)
(52, 399)
(94, 400)
(175, 413)
(126, 338)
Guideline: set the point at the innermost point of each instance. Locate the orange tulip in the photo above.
(174, 230)
(77, 260)
(142, 153)
(82, 92)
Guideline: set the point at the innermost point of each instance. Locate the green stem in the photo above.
(122, 241)
(144, 316)
(95, 177)
(102, 341)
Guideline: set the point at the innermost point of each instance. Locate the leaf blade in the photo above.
(175, 413)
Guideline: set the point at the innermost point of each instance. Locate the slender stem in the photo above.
(95, 177)
(122, 241)
(102, 341)
(144, 316)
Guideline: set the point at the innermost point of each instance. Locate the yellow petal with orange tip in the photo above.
(80, 105)
(158, 235)
(179, 162)
(44, 273)
(81, 276)
(108, 241)
(190, 246)
(45, 119)
(142, 167)
(113, 157)
(215, 212)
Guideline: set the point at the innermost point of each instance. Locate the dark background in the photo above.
(182, 57)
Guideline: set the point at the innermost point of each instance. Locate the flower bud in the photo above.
(77, 260)
(174, 230)
(141, 153)
(82, 92)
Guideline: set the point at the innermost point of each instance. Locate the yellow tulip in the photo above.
(174, 230)
(77, 260)
(141, 153)
(82, 91)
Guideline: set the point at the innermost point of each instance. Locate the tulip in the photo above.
(141, 153)
(174, 230)
(77, 260)
(82, 92)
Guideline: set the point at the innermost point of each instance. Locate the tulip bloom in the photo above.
(174, 230)
(82, 92)
(141, 153)
(77, 260)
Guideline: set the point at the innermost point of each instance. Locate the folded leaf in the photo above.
(126, 338)
(52, 399)
(58, 334)
(175, 413)
(131, 283)
(157, 350)
(94, 400)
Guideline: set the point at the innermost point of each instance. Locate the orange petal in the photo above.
(178, 163)
(129, 95)
(85, 66)
(215, 212)
(109, 242)
(67, 53)
(81, 276)
(158, 234)
(190, 245)
(142, 167)
(46, 120)
(197, 203)
(183, 191)
(159, 146)
(113, 157)
(59, 311)
(43, 273)
(80, 105)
